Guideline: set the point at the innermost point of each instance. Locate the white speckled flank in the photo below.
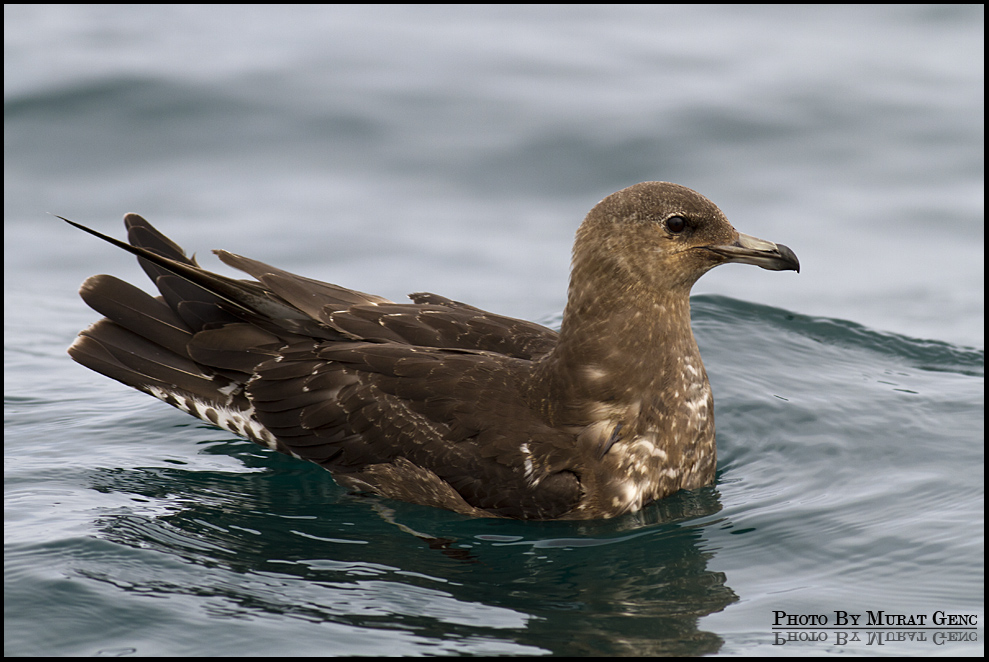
(240, 422)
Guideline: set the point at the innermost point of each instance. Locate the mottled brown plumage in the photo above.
(437, 402)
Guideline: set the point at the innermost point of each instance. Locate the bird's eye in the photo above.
(676, 224)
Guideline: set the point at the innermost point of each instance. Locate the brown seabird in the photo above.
(437, 402)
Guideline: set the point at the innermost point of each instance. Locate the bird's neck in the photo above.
(620, 346)
(626, 379)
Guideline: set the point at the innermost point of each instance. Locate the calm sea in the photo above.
(455, 150)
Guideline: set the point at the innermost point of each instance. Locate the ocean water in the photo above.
(455, 150)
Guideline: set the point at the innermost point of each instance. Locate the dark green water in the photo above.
(845, 483)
